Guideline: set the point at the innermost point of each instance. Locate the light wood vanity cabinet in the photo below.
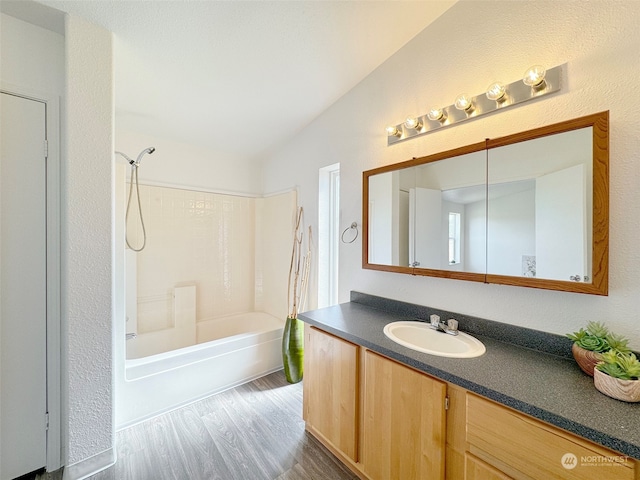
(330, 390)
(493, 442)
(404, 421)
(387, 421)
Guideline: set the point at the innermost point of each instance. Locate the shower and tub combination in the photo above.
(205, 282)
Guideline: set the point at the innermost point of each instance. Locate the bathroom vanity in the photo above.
(523, 410)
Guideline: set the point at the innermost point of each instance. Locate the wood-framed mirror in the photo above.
(529, 209)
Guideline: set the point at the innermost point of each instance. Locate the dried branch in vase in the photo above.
(298, 269)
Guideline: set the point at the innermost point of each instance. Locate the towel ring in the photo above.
(353, 226)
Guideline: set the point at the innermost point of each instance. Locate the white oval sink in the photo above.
(421, 337)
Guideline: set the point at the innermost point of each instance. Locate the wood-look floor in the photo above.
(254, 431)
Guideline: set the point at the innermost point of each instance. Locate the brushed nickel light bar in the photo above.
(536, 82)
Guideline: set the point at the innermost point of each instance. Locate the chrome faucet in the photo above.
(451, 327)
(131, 336)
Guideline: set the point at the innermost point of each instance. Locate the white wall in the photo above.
(87, 244)
(511, 231)
(475, 228)
(188, 166)
(381, 218)
(32, 57)
(467, 48)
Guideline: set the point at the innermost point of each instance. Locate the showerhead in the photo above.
(146, 150)
(136, 163)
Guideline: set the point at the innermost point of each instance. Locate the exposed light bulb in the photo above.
(392, 131)
(412, 122)
(436, 114)
(534, 76)
(463, 102)
(496, 92)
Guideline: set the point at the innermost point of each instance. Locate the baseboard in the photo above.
(90, 466)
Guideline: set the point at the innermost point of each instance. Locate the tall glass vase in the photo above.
(293, 350)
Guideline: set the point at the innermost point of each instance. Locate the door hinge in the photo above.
(446, 403)
(46, 421)
(46, 149)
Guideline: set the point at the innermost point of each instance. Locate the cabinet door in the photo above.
(476, 469)
(330, 390)
(404, 426)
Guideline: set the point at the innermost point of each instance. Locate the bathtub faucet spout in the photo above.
(131, 336)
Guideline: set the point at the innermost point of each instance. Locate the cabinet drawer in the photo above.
(476, 469)
(536, 449)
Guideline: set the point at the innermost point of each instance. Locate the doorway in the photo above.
(29, 289)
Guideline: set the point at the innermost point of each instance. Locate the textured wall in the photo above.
(87, 240)
(467, 48)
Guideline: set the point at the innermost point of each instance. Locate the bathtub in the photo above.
(230, 351)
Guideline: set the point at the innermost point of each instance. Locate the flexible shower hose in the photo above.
(134, 177)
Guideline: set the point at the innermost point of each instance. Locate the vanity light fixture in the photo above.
(464, 102)
(496, 92)
(534, 76)
(536, 82)
(393, 131)
(437, 114)
(413, 123)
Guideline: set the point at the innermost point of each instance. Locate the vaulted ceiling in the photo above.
(242, 77)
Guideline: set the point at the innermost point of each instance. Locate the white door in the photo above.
(22, 286)
(427, 248)
(561, 225)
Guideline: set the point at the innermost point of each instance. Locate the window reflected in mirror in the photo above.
(410, 212)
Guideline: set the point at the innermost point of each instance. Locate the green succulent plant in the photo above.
(598, 338)
(594, 338)
(618, 343)
(616, 364)
(597, 329)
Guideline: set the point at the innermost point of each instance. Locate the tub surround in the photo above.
(528, 370)
(181, 333)
(232, 351)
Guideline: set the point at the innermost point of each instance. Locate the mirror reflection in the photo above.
(539, 214)
(430, 216)
(446, 214)
(529, 209)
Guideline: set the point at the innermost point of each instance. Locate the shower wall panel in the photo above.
(197, 238)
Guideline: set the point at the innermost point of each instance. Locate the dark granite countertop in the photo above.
(547, 386)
